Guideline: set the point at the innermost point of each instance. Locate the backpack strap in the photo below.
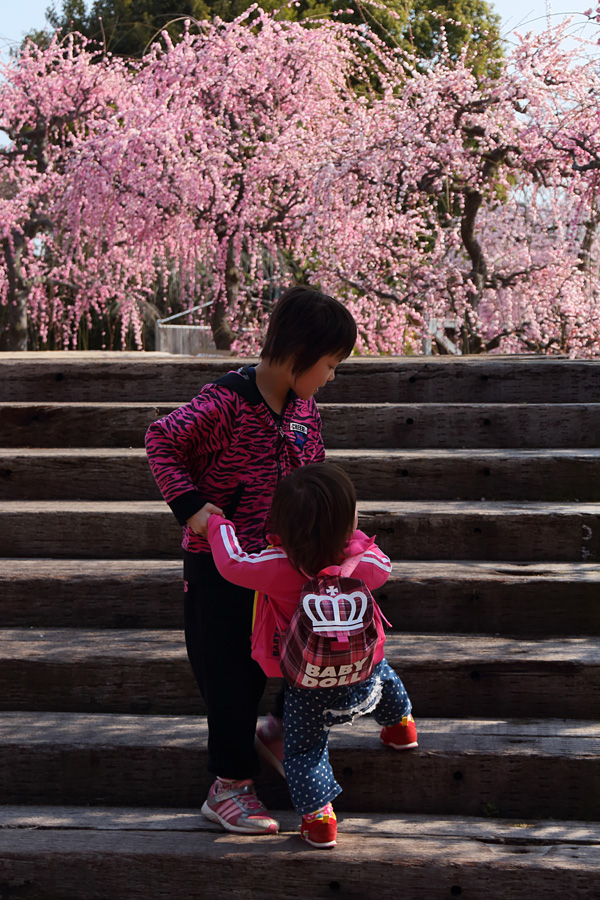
(347, 567)
(350, 563)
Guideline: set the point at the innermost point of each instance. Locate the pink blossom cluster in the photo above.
(245, 154)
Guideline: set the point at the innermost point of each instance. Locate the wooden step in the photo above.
(525, 599)
(72, 424)
(82, 474)
(114, 474)
(520, 599)
(528, 532)
(147, 671)
(507, 475)
(94, 674)
(345, 425)
(141, 593)
(144, 377)
(147, 377)
(459, 425)
(78, 853)
(503, 768)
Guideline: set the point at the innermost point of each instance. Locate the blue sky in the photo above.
(19, 16)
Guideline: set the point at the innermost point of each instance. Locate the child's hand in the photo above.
(199, 521)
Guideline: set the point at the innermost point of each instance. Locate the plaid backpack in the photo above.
(332, 636)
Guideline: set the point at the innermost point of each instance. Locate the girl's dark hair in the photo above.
(313, 515)
(307, 325)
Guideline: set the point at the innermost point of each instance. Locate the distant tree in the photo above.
(470, 23)
(127, 27)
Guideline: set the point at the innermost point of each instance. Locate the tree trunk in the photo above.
(13, 333)
(221, 329)
(589, 234)
(478, 274)
(471, 342)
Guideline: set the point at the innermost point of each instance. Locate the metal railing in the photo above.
(186, 340)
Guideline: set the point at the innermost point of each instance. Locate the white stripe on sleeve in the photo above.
(382, 562)
(235, 552)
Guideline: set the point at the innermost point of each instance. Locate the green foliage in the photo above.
(479, 28)
(74, 16)
(127, 27)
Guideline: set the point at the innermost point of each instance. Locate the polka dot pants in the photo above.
(309, 714)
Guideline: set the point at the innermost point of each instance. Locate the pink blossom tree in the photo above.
(247, 153)
(209, 166)
(468, 201)
(50, 103)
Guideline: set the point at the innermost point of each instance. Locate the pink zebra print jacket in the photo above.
(228, 448)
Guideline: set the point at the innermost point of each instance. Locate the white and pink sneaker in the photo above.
(235, 806)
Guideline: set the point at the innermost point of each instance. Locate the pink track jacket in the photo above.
(271, 573)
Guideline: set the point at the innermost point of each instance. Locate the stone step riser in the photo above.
(416, 380)
(438, 780)
(106, 475)
(132, 684)
(439, 598)
(527, 532)
(373, 425)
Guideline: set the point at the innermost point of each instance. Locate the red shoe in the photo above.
(402, 736)
(269, 742)
(319, 829)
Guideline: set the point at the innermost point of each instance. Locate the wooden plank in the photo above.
(82, 474)
(366, 380)
(507, 768)
(549, 475)
(121, 670)
(496, 598)
(114, 474)
(149, 379)
(369, 425)
(147, 671)
(493, 598)
(486, 830)
(528, 532)
(74, 529)
(461, 424)
(37, 424)
(93, 593)
(93, 865)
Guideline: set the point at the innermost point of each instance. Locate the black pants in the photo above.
(218, 625)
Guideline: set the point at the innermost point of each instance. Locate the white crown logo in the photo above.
(318, 615)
